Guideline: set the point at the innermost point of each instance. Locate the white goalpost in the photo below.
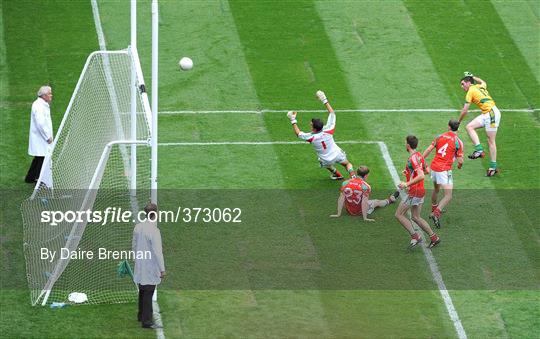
(104, 156)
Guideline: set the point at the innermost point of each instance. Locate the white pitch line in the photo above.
(434, 268)
(363, 110)
(435, 273)
(256, 143)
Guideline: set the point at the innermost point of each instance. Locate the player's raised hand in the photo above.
(468, 74)
(292, 117)
(321, 96)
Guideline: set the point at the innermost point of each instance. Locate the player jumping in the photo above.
(355, 196)
(477, 93)
(414, 172)
(448, 148)
(322, 139)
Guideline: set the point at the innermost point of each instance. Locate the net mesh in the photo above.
(74, 179)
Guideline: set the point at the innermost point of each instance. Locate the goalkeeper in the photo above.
(322, 139)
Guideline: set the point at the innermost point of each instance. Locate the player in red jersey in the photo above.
(448, 148)
(414, 198)
(355, 196)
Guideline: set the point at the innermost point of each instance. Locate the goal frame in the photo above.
(137, 86)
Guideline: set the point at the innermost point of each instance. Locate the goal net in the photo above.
(100, 160)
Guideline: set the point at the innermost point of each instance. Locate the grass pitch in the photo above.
(288, 269)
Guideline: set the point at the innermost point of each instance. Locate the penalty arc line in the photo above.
(103, 46)
(432, 263)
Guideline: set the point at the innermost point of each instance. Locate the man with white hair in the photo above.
(41, 132)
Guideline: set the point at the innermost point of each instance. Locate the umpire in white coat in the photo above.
(150, 270)
(41, 132)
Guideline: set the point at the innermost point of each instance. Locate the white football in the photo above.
(186, 64)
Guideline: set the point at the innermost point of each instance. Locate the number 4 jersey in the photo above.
(448, 147)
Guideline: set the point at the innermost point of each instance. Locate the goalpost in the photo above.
(104, 156)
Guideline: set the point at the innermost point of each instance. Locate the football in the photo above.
(186, 64)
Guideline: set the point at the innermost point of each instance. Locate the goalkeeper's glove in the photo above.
(322, 97)
(292, 117)
(468, 74)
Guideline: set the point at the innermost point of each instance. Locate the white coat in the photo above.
(147, 237)
(40, 128)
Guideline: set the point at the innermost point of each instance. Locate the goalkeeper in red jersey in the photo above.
(448, 148)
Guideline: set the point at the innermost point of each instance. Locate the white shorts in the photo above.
(340, 157)
(442, 178)
(371, 207)
(490, 120)
(411, 201)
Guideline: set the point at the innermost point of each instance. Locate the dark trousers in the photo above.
(34, 170)
(145, 304)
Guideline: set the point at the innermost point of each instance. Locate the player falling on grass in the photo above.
(414, 197)
(355, 196)
(322, 139)
(448, 148)
(477, 93)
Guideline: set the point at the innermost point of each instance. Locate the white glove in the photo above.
(292, 117)
(468, 74)
(322, 97)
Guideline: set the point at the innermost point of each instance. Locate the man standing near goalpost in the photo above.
(322, 139)
(41, 132)
(448, 148)
(149, 271)
(490, 118)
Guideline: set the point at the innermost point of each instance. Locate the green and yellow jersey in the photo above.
(479, 95)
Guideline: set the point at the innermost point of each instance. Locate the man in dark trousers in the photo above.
(41, 132)
(150, 270)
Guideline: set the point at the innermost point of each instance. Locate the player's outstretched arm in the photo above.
(340, 202)
(479, 81)
(428, 151)
(464, 111)
(331, 121)
(292, 117)
(322, 97)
